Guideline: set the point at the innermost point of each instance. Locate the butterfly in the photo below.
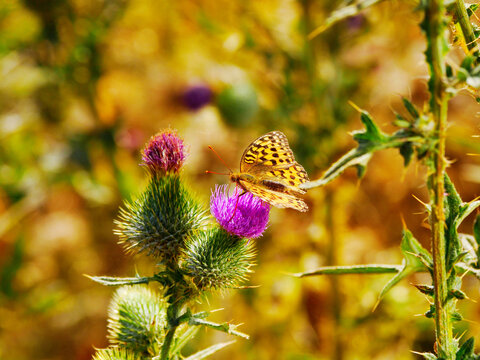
(268, 170)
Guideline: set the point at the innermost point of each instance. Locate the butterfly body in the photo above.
(268, 170)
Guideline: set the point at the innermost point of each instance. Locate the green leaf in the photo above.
(225, 327)
(116, 281)
(370, 140)
(471, 8)
(410, 108)
(413, 253)
(354, 157)
(467, 63)
(183, 339)
(401, 122)
(476, 229)
(464, 268)
(466, 350)
(11, 266)
(394, 281)
(352, 269)
(372, 133)
(427, 356)
(465, 210)
(209, 351)
(406, 150)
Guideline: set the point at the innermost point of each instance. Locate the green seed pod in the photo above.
(215, 259)
(115, 353)
(136, 319)
(160, 219)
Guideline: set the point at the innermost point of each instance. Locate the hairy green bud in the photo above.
(136, 319)
(160, 219)
(215, 259)
(115, 353)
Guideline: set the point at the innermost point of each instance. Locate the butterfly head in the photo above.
(237, 177)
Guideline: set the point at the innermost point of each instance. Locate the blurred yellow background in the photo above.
(85, 83)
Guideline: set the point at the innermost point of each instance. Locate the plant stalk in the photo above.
(466, 26)
(172, 321)
(434, 27)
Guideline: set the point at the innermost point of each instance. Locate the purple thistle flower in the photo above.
(248, 220)
(197, 96)
(165, 152)
(355, 22)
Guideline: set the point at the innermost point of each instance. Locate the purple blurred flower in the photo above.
(355, 22)
(248, 220)
(164, 152)
(197, 96)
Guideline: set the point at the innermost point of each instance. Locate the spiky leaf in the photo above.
(410, 108)
(415, 256)
(209, 351)
(466, 350)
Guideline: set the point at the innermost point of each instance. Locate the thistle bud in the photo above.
(215, 259)
(116, 353)
(164, 153)
(160, 219)
(136, 319)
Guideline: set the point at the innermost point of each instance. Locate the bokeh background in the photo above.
(83, 85)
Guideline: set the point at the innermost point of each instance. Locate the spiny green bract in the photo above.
(115, 353)
(160, 219)
(215, 259)
(136, 319)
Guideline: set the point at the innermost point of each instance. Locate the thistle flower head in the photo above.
(165, 152)
(245, 216)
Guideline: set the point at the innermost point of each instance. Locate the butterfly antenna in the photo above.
(223, 162)
(213, 172)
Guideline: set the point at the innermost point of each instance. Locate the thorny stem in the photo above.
(466, 26)
(172, 321)
(434, 28)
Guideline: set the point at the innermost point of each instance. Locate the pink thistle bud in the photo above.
(165, 152)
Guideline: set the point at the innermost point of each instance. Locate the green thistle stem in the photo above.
(434, 27)
(172, 321)
(465, 25)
